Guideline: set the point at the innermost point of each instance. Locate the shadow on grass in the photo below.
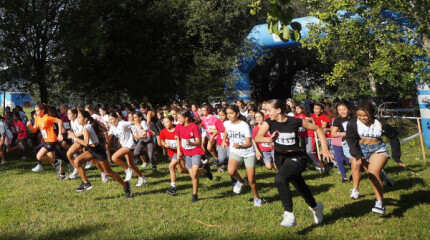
(405, 184)
(67, 233)
(314, 189)
(363, 207)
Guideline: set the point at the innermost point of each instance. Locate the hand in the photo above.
(71, 135)
(326, 155)
(187, 142)
(211, 143)
(236, 145)
(166, 144)
(224, 145)
(60, 137)
(274, 136)
(28, 123)
(178, 155)
(258, 155)
(403, 165)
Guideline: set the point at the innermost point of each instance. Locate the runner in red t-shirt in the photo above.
(168, 140)
(264, 151)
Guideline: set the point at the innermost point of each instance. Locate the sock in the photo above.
(103, 173)
(39, 162)
(63, 173)
(173, 184)
(379, 203)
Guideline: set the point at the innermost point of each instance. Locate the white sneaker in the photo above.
(258, 202)
(289, 220)
(89, 165)
(355, 194)
(144, 165)
(142, 180)
(104, 178)
(238, 187)
(128, 174)
(318, 213)
(379, 208)
(38, 168)
(74, 174)
(58, 166)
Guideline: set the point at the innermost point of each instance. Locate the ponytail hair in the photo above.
(43, 106)
(236, 110)
(94, 124)
(186, 114)
(276, 103)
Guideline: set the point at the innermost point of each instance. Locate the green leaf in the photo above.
(275, 28)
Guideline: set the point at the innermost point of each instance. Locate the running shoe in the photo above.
(171, 191)
(238, 187)
(318, 213)
(142, 180)
(105, 178)
(258, 202)
(84, 187)
(355, 194)
(154, 170)
(127, 190)
(5, 162)
(384, 177)
(74, 174)
(379, 208)
(58, 166)
(128, 174)
(289, 220)
(23, 158)
(194, 198)
(38, 168)
(62, 176)
(345, 180)
(208, 171)
(89, 165)
(144, 165)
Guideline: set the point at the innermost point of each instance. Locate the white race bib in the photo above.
(211, 127)
(44, 134)
(66, 125)
(172, 144)
(185, 145)
(268, 145)
(287, 139)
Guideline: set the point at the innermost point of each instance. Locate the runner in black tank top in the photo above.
(290, 159)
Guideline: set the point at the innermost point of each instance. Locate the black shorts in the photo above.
(67, 140)
(98, 152)
(50, 146)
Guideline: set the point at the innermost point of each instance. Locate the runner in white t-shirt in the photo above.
(121, 129)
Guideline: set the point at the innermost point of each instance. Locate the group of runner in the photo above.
(282, 135)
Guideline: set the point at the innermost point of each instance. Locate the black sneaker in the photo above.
(154, 170)
(208, 171)
(350, 178)
(84, 187)
(171, 191)
(194, 198)
(386, 179)
(127, 190)
(379, 208)
(62, 176)
(345, 180)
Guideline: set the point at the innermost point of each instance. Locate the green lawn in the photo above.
(37, 206)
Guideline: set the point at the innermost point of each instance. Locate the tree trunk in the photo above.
(41, 80)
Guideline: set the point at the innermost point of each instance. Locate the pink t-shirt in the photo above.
(20, 126)
(264, 147)
(190, 132)
(336, 141)
(209, 122)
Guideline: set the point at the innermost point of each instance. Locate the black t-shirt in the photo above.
(341, 123)
(288, 138)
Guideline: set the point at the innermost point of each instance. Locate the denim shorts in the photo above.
(268, 157)
(345, 148)
(369, 149)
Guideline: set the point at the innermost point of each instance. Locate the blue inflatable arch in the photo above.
(261, 39)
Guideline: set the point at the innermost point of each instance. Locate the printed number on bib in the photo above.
(66, 125)
(286, 139)
(44, 134)
(172, 144)
(185, 145)
(268, 145)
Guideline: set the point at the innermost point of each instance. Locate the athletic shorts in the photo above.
(67, 140)
(370, 149)
(268, 157)
(190, 161)
(98, 152)
(50, 146)
(249, 161)
(175, 156)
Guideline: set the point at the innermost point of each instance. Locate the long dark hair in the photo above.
(277, 103)
(236, 109)
(369, 109)
(94, 124)
(342, 103)
(186, 114)
(304, 109)
(43, 107)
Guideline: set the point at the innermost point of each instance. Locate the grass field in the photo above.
(37, 206)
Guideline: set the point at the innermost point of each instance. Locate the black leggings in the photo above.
(290, 167)
(140, 145)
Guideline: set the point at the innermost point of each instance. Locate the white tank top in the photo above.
(373, 131)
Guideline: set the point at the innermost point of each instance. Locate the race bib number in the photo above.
(287, 139)
(185, 145)
(172, 144)
(44, 134)
(268, 145)
(66, 125)
(211, 127)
